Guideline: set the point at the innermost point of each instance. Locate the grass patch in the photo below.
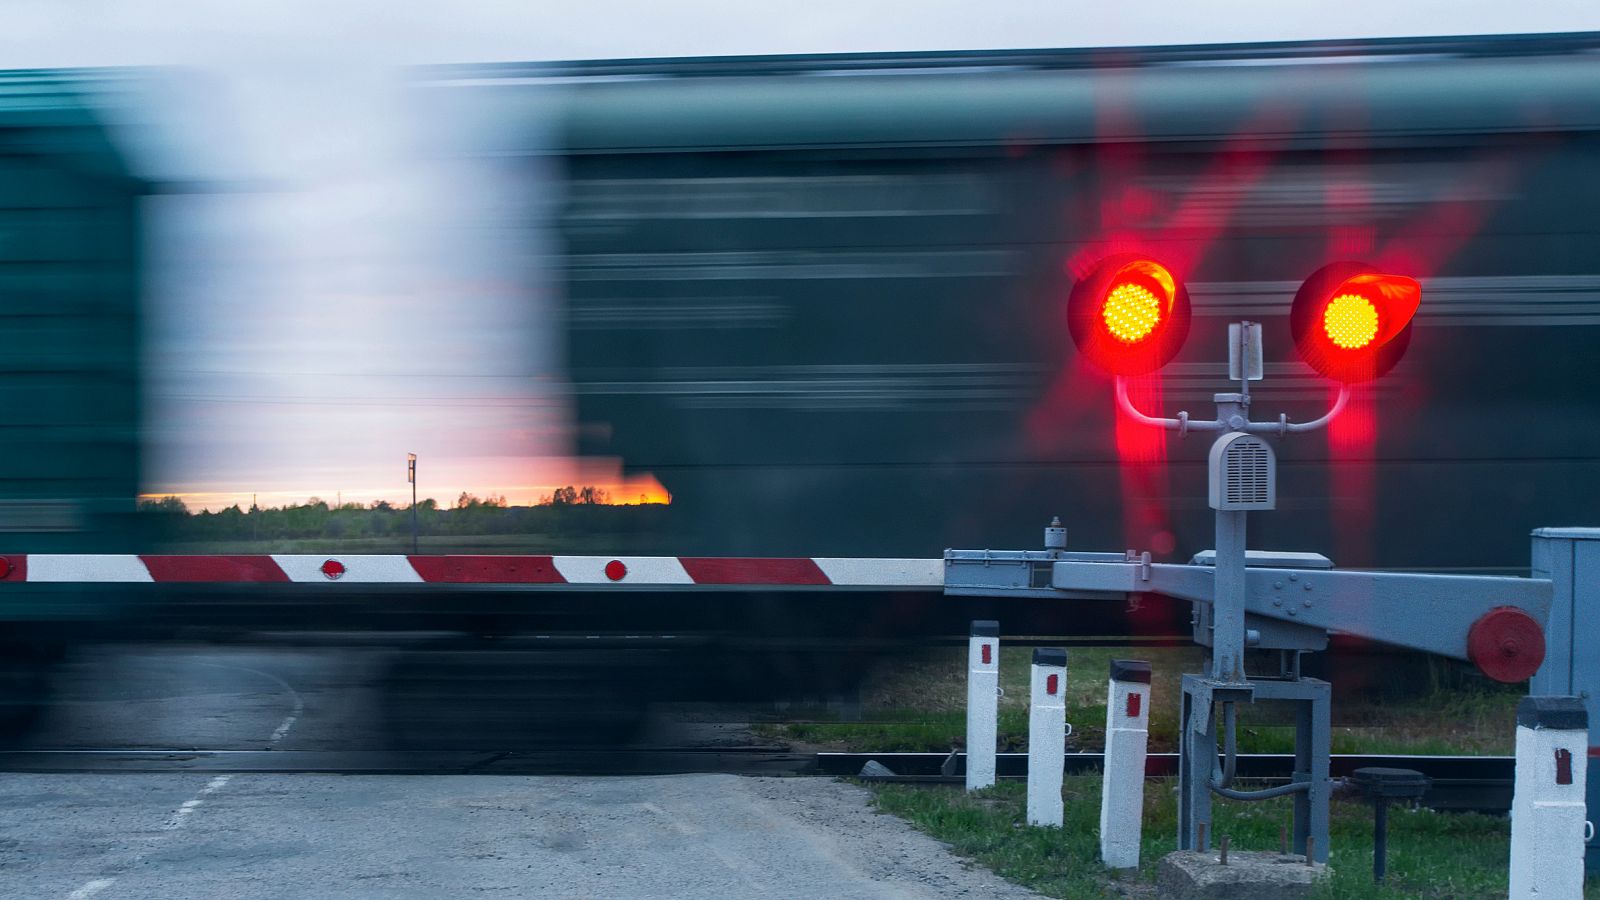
(1432, 856)
(918, 704)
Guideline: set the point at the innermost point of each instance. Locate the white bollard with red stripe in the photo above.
(1047, 736)
(1547, 811)
(1127, 742)
(983, 702)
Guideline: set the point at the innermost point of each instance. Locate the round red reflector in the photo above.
(1506, 644)
(5, 567)
(616, 570)
(333, 569)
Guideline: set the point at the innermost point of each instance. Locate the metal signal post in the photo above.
(1242, 477)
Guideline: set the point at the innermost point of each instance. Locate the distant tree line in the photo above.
(570, 508)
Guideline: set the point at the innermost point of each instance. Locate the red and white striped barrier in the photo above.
(639, 571)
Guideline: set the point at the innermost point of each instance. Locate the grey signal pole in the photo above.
(411, 476)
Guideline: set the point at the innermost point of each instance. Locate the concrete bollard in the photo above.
(1547, 811)
(1127, 742)
(983, 702)
(1047, 736)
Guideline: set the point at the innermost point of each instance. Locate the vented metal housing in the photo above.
(1244, 473)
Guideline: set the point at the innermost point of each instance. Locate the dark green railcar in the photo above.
(820, 298)
(69, 357)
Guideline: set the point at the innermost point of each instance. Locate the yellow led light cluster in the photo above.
(1131, 312)
(1350, 321)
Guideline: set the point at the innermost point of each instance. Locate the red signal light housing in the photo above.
(1129, 315)
(1352, 322)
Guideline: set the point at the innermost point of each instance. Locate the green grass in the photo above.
(1432, 856)
(919, 704)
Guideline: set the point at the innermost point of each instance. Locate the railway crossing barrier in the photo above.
(1130, 316)
(1548, 826)
(1127, 742)
(983, 702)
(1047, 735)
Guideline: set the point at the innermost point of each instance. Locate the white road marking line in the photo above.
(91, 888)
(189, 806)
(185, 809)
(282, 730)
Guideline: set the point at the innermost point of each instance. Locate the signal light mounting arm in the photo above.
(1284, 426)
(1183, 424)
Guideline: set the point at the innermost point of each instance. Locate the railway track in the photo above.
(1463, 783)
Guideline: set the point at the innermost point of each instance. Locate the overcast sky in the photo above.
(357, 303)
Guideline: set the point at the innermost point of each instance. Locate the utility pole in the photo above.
(411, 476)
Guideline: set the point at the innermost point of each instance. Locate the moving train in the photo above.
(821, 299)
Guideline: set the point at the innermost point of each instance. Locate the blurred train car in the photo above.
(70, 443)
(820, 298)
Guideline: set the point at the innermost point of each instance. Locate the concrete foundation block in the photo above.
(1249, 875)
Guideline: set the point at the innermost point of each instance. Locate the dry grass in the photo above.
(920, 703)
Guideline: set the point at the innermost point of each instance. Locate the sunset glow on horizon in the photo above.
(621, 491)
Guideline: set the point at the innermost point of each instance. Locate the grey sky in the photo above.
(361, 303)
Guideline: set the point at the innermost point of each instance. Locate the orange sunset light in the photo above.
(620, 490)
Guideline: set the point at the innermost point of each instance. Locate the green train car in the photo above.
(820, 298)
(69, 359)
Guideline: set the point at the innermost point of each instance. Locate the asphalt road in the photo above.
(218, 698)
(152, 835)
(272, 836)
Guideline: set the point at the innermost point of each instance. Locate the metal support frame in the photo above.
(1198, 772)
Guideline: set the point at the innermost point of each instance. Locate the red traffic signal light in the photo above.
(1129, 315)
(1351, 322)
